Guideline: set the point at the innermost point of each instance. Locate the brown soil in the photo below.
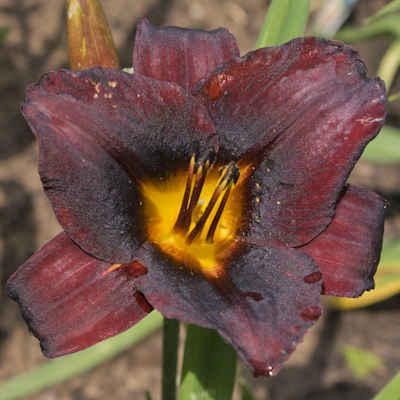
(36, 44)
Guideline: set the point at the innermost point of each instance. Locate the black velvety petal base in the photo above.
(102, 135)
(262, 304)
(300, 114)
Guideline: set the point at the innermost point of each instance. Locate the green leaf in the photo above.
(389, 25)
(3, 33)
(391, 251)
(388, 9)
(61, 369)
(148, 395)
(247, 393)
(285, 20)
(391, 391)
(209, 366)
(385, 148)
(390, 64)
(362, 362)
(394, 97)
(170, 358)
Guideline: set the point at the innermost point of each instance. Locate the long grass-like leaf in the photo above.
(388, 9)
(61, 369)
(285, 20)
(385, 148)
(391, 391)
(390, 63)
(389, 26)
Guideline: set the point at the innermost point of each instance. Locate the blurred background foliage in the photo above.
(327, 18)
(327, 21)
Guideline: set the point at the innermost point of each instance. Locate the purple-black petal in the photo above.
(183, 56)
(71, 300)
(348, 251)
(102, 135)
(262, 304)
(299, 115)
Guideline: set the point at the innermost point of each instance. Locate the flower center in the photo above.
(204, 226)
(229, 176)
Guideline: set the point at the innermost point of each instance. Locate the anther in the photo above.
(207, 156)
(230, 172)
(194, 148)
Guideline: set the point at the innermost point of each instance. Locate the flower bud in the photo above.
(90, 42)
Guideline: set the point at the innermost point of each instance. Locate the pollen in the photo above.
(113, 267)
(112, 84)
(96, 86)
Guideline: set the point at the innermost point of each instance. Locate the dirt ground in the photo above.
(35, 44)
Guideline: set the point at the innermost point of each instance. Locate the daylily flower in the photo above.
(207, 186)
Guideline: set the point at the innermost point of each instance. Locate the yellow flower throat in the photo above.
(194, 217)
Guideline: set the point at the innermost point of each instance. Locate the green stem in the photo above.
(170, 358)
(209, 366)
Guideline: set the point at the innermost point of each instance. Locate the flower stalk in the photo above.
(170, 358)
(209, 366)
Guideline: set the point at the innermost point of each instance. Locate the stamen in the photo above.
(214, 224)
(200, 167)
(230, 174)
(198, 185)
(183, 211)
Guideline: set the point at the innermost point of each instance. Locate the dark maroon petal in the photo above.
(103, 134)
(183, 56)
(71, 300)
(300, 114)
(348, 251)
(261, 304)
